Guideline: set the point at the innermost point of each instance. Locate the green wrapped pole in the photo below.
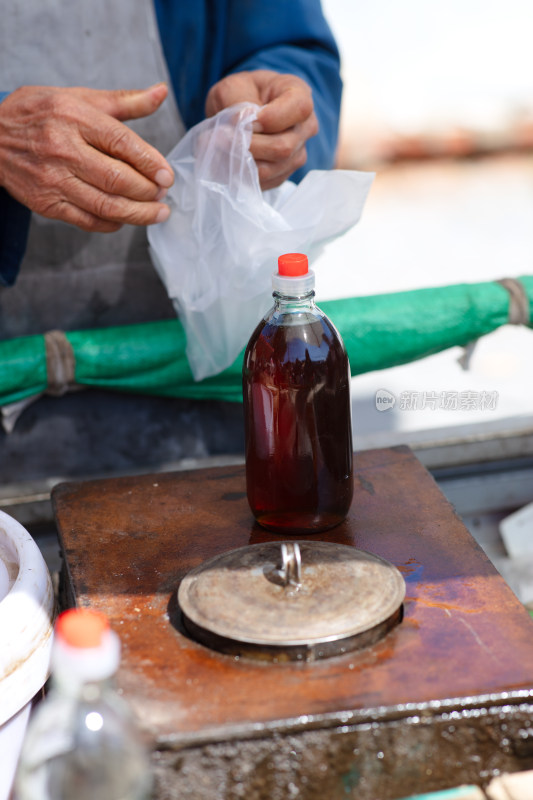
(379, 331)
(22, 368)
(383, 331)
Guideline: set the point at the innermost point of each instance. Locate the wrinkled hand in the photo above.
(66, 154)
(284, 124)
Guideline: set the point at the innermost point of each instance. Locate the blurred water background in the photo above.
(438, 102)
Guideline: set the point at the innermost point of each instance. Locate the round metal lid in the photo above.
(300, 598)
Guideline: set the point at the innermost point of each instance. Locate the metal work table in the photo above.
(444, 698)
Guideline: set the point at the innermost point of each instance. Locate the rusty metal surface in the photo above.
(128, 542)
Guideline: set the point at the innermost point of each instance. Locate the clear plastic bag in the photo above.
(218, 249)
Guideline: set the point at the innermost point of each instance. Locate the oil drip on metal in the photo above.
(291, 601)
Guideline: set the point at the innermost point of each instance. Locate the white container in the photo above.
(26, 626)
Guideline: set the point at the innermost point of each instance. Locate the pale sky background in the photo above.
(417, 63)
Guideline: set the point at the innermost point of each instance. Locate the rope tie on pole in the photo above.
(519, 311)
(60, 363)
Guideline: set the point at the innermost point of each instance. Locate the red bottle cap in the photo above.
(82, 627)
(293, 265)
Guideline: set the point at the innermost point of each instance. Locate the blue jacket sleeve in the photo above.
(213, 38)
(14, 224)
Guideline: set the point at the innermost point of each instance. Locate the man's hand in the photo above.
(284, 124)
(66, 154)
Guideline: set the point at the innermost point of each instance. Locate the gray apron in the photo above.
(71, 279)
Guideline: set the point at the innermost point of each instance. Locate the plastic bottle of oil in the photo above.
(296, 391)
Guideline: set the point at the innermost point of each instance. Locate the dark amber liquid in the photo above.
(298, 426)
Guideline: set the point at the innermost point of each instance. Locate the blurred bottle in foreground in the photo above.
(81, 743)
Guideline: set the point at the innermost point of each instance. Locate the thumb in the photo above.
(126, 104)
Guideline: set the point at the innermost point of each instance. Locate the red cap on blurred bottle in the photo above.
(81, 627)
